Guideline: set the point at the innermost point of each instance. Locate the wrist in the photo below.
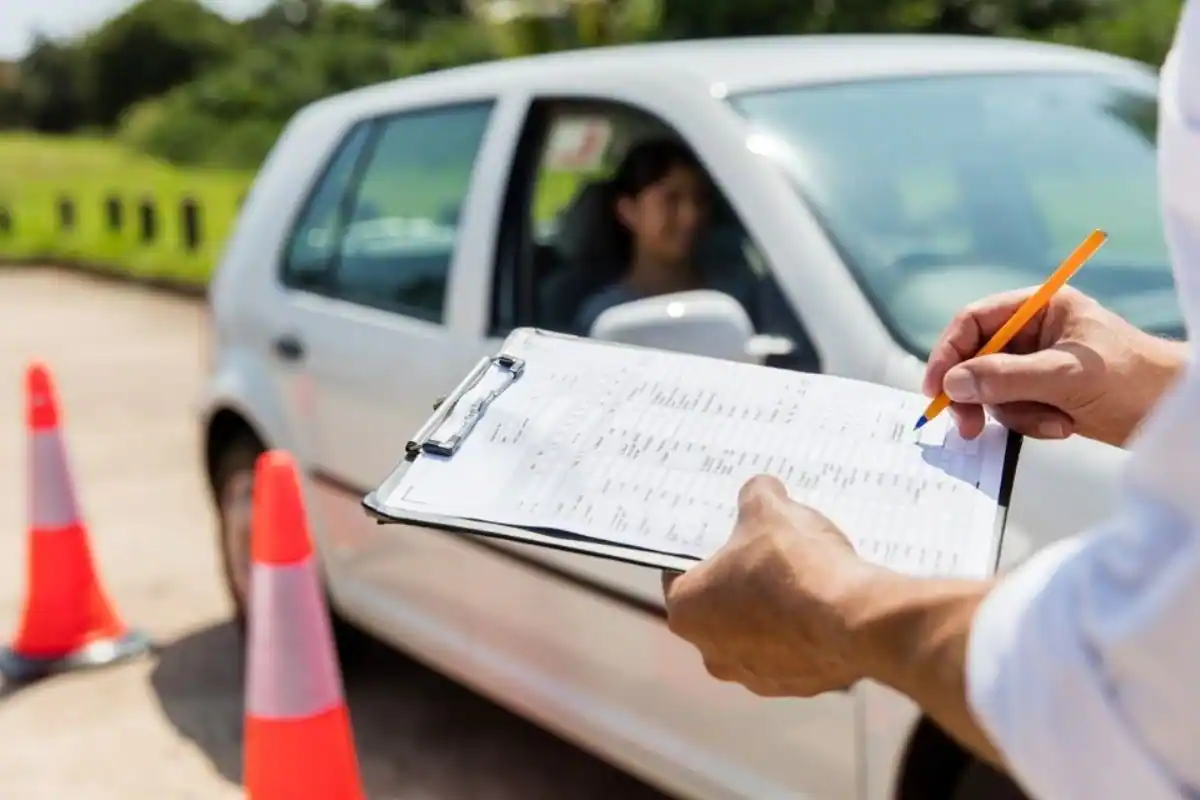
(1163, 359)
(1159, 362)
(904, 631)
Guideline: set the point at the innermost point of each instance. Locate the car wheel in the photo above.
(233, 483)
(981, 782)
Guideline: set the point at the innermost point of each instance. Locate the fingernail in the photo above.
(1052, 429)
(961, 385)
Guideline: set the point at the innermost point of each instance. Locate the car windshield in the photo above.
(940, 190)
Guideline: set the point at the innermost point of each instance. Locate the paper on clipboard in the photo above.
(645, 450)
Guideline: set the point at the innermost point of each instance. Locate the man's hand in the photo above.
(787, 609)
(768, 610)
(1075, 368)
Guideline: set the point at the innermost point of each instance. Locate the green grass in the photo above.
(36, 171)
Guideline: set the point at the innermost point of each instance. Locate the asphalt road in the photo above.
(128, 368)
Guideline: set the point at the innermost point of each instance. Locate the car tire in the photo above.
(233, 481)
(981, 782)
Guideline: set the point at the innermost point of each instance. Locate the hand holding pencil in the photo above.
(1066, 365)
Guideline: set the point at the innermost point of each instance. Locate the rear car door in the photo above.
(370, 266)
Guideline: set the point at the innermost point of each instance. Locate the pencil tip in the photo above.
(920, 423)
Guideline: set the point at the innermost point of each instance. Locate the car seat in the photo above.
(590, 257)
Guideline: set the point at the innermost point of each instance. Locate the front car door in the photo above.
(808, 746)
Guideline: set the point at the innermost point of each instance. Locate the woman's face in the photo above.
(666, 216)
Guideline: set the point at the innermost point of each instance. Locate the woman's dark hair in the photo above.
(645, 164)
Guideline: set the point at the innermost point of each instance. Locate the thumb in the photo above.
(1010, 378)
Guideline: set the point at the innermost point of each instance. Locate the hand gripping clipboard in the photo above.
(430, 439)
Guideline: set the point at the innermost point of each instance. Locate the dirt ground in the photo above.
(128, 367)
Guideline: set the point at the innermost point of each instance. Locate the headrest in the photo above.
(585, 234)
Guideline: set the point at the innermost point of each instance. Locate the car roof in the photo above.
(733, 65)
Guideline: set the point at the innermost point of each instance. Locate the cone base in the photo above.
(19, 668)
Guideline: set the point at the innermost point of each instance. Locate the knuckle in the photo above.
(677, 623)
(719, 669)
(757, 493)
(753, 506)
(965, 318)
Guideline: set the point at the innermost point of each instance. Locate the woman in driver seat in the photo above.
(660, 203)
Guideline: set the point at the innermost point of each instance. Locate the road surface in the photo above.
(128, 367)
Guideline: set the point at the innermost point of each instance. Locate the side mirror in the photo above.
(701, 322)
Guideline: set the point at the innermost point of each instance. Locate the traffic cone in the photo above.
(299, 745)
(67, 622)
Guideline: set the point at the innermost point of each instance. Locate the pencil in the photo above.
(1028, 310)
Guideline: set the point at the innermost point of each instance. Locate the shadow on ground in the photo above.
(419, 735)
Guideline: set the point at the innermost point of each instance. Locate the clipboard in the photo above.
(430, 440)
(423, 441)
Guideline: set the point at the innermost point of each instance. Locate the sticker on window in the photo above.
(578, 145)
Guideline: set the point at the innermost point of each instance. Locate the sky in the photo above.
(21, 19)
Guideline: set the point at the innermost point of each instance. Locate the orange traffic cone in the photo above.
(68, 621)
(298, 740)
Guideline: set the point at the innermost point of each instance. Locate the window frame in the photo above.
(516, 243)
(328, 285)
(285, 272)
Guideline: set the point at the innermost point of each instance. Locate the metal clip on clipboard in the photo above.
(424, 442)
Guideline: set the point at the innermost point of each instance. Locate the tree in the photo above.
(153, 47)
(1141, 30)
(521, 28)
(693, 19)
(53, 88)
(416, 13)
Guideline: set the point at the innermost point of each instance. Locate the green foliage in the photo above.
(231, 116)
(1141, 30)
(419, 12)
(685, 18)
(446, 43)
(153, 47)
(587, 23)
(53, 92)
(179, 82)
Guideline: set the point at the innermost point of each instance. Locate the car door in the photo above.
(563, 164)
(370, 267)
(808, 745)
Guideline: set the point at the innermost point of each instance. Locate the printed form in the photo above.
(648, 449)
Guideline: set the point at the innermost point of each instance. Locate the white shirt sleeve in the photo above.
(1084, 664)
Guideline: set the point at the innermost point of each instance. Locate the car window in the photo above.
(313, 241)
(397, 239)
(568, 254)
(940, 190)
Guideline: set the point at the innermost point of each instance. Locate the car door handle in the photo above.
(289, 348)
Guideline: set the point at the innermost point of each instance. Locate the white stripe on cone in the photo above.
(52, 501)
(292, 669)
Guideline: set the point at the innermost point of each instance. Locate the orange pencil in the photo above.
(1036, 302)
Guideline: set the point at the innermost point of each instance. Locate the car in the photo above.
(867, 186)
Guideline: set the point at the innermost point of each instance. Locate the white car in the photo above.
(870, 186)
